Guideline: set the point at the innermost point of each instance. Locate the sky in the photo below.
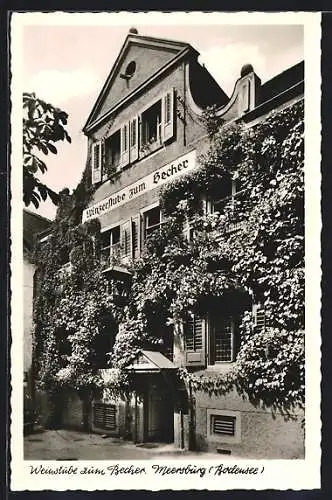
(67, 66)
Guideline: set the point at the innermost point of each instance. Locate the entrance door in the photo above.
(159, 415)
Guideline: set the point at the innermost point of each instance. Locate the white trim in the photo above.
(210, 412)
(149, 207)
(108, 228)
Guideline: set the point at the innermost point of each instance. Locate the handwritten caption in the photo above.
(156, 469)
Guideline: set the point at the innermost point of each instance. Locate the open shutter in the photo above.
(96, 162)
(125, 145)
(104, 173)
(141, 134)
(167, 115)
(194, 340)
(126, 241)
(136, 236)
(133, 139)
(258, 317)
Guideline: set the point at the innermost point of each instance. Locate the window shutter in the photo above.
(140, 133)
(126, 241)
(194, 339)
(133, 139)
(125, 145)
(258, 317)
(96, 162)
(103, 162)
(167, 115)
(136, 236)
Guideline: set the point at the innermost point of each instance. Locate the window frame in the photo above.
(211, 345)
(111, 246)
(108, 139)
(143, 216)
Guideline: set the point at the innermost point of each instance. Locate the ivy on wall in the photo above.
(251, 246)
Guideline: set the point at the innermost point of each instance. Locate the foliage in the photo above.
(210, 120)
(43, 125)
(249, 250)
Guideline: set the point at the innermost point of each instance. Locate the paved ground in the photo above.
(72, 445)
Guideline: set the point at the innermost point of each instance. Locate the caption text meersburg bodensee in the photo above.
(157, 469)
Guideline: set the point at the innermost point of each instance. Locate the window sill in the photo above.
(152, 148)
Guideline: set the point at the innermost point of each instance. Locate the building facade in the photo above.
(33, 225)
(145, 130)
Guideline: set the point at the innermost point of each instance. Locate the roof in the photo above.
(281, 82)
(151, 361)
(177, 49)
(33, 224)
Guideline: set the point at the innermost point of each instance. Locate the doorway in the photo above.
(159, 413)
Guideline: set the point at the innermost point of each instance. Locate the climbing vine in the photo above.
(250, 249)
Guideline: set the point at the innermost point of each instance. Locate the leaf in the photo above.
(54, 196)
(52, 148)
(43, 191)
(67, 136)
(43, 148)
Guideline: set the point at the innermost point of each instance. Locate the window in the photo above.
(224, 426)
(112, 151)
(130, 69)
(221, 339)
(157, 123)
(151, 126)
(110, 245)
(228, 192)
(152, 221)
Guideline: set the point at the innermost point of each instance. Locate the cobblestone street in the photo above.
(72, 445)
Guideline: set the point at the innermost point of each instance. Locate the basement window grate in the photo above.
(223, 425)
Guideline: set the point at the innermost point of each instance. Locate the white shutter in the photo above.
(104, 173)
(125, 145)
(136, 236)
(96, 162)
(167, 115)
(133, 139)
(126, 241)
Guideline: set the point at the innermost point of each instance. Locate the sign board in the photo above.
(167, 173)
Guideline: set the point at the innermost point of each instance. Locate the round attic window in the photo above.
(130, 69)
